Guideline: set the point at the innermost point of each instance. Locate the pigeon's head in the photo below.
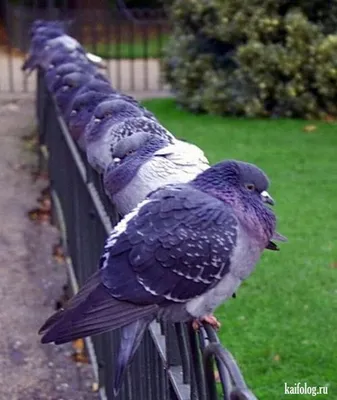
(253, 183)
(45, 26)
(82, 108)
(107, 114)
(243, 180)
(116, 108)
(140, 145)
(242, 185)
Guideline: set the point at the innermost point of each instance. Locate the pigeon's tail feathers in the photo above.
(131, 337)
(30, 64)
(272, 246)
(280, 238)
(91, 311)
(73, 303)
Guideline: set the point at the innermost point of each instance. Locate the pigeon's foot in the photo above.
(209, 319)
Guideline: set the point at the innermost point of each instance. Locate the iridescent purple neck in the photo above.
(258, 220)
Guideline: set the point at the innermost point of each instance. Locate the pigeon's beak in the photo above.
(266, 198)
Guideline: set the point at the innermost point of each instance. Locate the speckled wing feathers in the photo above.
(176, 248)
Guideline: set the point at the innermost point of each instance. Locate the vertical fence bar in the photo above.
(132, 55)
(9, 32)
(118, 56)
(159, 32)
(145, 37)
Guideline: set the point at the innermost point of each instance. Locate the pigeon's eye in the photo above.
(107, 114)
(250, 187)
(130, 152)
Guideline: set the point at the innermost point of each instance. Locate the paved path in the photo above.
(30, 280)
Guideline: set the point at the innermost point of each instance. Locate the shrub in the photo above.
(254, 58)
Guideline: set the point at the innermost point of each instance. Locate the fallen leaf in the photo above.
(277, 357)
(40, 175)
(33, 214)
(80, 358)
(58, 254)
(44, 216)
(79, 354)
(78, 345)
(329, 118)
(45, 204)
(310, 128)
(333, 264)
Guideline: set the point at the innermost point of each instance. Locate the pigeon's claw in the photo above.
(209, 319)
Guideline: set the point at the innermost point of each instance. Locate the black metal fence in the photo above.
(131, 41)
(173, 362)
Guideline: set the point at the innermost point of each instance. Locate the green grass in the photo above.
(282, 325)
(130, 50)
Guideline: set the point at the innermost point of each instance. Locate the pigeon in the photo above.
(94, 85)
(117, 95)
(176, 257)
(69, 85)
(61, 58)
(40, 25)
(35, 53)
(145, 161)
(82, 109)
(49, 52)
(53, 75)
(99, 132)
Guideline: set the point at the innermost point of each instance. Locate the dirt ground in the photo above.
(30, 280)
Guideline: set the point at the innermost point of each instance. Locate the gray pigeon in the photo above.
(54, 75)
(37, 45)
(180, 254)
(82, 109)
(60, 58)
(147, 160)
(70, 85)
(99, 133)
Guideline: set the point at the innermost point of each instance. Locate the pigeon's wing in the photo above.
(184, 154)
(176, 246)
(173, 247)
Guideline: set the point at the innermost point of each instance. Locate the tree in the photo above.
(254, 57)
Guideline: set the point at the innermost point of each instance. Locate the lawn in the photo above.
(281, 327)
(138, 48)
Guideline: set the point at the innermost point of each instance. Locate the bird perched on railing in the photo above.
(68, 86)
(99, 132)
(41, 25)
(144, 161)
(50, 39)
(62, 58)
(81, 111)
(180, 254)
(89, 97)
(54, 75)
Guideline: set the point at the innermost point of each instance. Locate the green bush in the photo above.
(254, 58)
